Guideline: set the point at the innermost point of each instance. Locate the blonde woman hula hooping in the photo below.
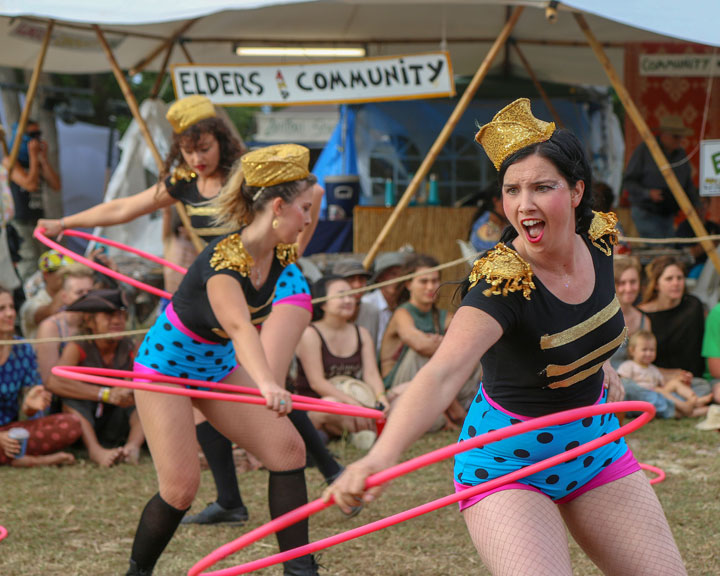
(209, 332)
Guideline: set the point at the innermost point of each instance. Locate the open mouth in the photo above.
(534, 229)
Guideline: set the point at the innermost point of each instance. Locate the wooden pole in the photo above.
(538, 86)
(140, 66)
(445, 133)
(186, 52)
(654, 148)
(161, 74)
(132, 104)
(30, 97)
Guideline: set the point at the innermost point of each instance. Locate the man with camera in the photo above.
(31, 173)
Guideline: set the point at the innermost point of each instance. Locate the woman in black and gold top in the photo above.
(209, 332)
(541, 314)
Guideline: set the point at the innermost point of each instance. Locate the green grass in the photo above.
(80, 520)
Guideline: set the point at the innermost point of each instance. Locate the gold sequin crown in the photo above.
(189, 111)
(512, 129)
(276, 164)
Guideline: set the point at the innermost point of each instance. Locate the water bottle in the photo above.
(389, 193)
(433, 198)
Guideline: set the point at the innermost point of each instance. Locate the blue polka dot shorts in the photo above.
(482, 464)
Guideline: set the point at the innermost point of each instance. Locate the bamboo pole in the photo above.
(30, 97)
(538, 86)
(132, 103)
(186, 52)
(654, 148)
(161, 74)
(140, 66)
(444, 134)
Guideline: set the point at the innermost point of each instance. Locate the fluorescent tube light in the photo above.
(300, 52)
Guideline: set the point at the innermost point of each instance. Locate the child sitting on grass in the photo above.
(640, 368)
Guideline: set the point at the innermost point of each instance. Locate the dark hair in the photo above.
(230, 147)
(603, 197)
(485, 203)
(566, 153)
(319, 289)
(414, 263)
(654, 270)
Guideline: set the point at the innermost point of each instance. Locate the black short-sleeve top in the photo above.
(550, 355)
(182, 186)
(226, 255)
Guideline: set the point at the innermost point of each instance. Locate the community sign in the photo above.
(409, 77)
(710, 168)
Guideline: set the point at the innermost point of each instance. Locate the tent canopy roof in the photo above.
(135, 28)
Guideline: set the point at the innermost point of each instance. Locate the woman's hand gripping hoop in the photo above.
(39, 234)
(242, 394)
(647, 409)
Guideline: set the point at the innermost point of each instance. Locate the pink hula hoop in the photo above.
(242, 394)
(39, 234)
(3, 532)
(647, 409)
(659, 473)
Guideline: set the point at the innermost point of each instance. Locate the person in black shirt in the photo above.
(209, 332)
(541, 314)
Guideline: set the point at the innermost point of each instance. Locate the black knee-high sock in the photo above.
(157, 525)
(218, 452)
(287, 491)
(314, 445)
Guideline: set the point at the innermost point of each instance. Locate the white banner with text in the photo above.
(409, 77)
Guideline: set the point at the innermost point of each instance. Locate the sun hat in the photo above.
(349, 267)
(106, 300)
(672, 124)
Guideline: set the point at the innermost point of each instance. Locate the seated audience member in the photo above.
(413, 335)
(678, 322)
(377, 306)
(44, 300)
(489, 221)
(627, 271)
(355, 274)
(711, 350)
(18, 371)
(331, 347)
(77, 281)
(640, 369)
(111, 429)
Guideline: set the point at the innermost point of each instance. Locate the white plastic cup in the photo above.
(22, 436)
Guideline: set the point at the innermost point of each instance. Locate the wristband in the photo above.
(62, 223)
(104, 395)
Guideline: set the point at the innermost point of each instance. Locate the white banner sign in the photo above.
(368, 80)
(710, 168)
(679, 65)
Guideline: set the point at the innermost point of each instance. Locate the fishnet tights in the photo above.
(621, 526)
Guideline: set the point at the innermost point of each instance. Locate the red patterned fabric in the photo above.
(47, 435)
(657, 96)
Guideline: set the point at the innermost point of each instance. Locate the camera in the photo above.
(34, 135)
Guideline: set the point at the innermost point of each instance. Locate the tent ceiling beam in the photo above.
(140, 66)
(90, 28)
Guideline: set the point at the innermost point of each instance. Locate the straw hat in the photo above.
(672, 124)
(712, 419)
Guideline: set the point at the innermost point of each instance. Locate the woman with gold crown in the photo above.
(540, 312)
(202, 153)
(209, 332)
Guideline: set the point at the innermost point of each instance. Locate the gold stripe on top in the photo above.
(579, 330)
(258, 321)
(212, 231)
(254, 309)
(558, 370)
(578, 377)
(202, 210)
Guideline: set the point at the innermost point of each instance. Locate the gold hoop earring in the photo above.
(275, 223)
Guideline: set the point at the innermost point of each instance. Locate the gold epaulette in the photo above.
(230, 253)
(504, 270)
(603, 232)
(182, 172)
(286, 253)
